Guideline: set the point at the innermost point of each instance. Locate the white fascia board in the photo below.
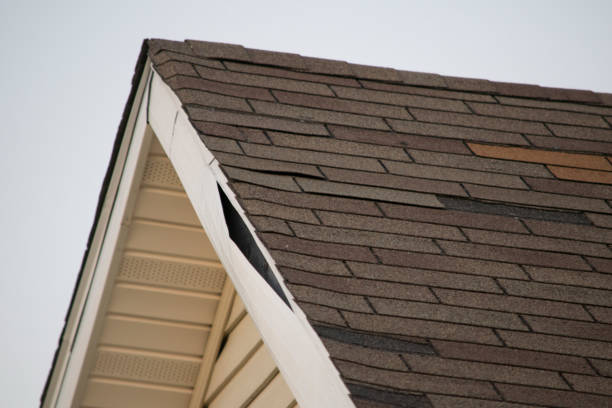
(84, 323)
(294, 345)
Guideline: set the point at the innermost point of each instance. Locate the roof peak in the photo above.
(391, 76)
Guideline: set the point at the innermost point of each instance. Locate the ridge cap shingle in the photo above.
(233, 52)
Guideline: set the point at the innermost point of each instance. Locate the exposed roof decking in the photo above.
(450, 268)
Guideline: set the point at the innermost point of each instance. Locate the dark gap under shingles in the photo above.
(240, 234)
(398, 399)
(372, 340)
(469, 205)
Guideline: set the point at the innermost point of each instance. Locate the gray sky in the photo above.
(65, 73)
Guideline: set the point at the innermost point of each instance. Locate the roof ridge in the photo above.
(296, 62)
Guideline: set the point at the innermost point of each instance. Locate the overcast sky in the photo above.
(65, 72)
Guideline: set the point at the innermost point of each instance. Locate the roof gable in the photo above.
(447, 237)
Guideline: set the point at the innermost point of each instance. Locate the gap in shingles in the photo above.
(471, 205)
(239, 233)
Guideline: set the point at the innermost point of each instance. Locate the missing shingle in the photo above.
(465, 204)
(240, 234)
(397, 399)
(372, 340)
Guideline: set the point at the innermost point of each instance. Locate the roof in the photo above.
(447, 238)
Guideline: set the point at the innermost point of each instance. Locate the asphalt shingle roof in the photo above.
(448, 238)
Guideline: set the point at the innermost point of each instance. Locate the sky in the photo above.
(65, 74)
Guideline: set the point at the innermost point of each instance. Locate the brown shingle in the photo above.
(366, 192)
(470, 84)
(172, 68)
(602, 265)
(534, 242)
(601, 220)
(421, 328)
(549, 398)
(274, 166)
(537, 198)
(601, 314)
(263, 179)
(261, 81)
(569, 277)
(513, 255)
(331, 145)
(313, 201)
(513, 357)
(321, 249)
(588, 176)
(287, 73)
(366, 238)
(585, 330)
(396, 139)
(429, 311)
(424, 277)
(317, 158)
(357, 286)
(557, 344)
(267, 224)
(327, 298)
(363, 355)
(394, 181)
(479, 163)
(558, 292)
(451, 217)
(193, 97)
(281, 59)
(541, 156)
(258, 121)
(379, 224)
(456, 132)
(470, 120)
(342, 105)
(220, 144)
(569, 188)
(218, 50)
(310, 263)
(562, 106)
(165, 56)
(603, 367)
(416, 382)
(422, 79)
(437, 93)
(318, 115)
(448, 401)
(322, 314)
(452, 174)
(360, 94)
(539, 115)
(484, 371)
(258, 207)
(450, 263)
(579, 132)
(183, 82)
(573, 145)
(512, 304)
(596, 385)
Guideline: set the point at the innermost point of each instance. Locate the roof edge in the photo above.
(138, 71)
(231, 52)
